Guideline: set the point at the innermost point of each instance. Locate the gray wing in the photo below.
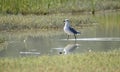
(73, 30)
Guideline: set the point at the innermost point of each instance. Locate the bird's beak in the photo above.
(64, 21)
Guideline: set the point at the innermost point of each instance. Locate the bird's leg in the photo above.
(75, 36)
(68, 37)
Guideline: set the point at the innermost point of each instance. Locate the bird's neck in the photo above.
(67, 24)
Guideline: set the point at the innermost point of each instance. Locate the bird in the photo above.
(69, 30)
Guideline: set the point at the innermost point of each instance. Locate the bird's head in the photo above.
(66, 20)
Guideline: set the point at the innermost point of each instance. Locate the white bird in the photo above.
(69, 30)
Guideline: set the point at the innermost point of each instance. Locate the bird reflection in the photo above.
(69, 49)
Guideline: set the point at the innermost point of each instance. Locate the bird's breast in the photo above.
(67, 30)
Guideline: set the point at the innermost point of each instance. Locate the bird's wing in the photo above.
(73, 30)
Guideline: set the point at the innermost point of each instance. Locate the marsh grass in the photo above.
(55, 6)
(106, 21)
(2, 39)
(2, 42)
(87, 62)
(54, 21)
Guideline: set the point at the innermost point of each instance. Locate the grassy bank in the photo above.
(21, 22)
(55, 21)
(88, 62)
(55, 6)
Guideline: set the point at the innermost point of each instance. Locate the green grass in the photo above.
(2, 39)
(21, 22)
(107, 21)
(2, 42)
(55, 6)
(87, 62)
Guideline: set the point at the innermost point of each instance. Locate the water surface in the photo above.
(36, 45)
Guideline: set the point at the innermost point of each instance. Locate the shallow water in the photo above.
(36, 45)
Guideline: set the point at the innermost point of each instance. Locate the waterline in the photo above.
(95, 39)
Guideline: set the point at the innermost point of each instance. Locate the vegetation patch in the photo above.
(45, 7)
(87, 62)
(54, 21)
(2, 39)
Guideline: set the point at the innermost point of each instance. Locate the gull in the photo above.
(69, 30)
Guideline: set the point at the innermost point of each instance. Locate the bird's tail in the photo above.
(78, 32)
